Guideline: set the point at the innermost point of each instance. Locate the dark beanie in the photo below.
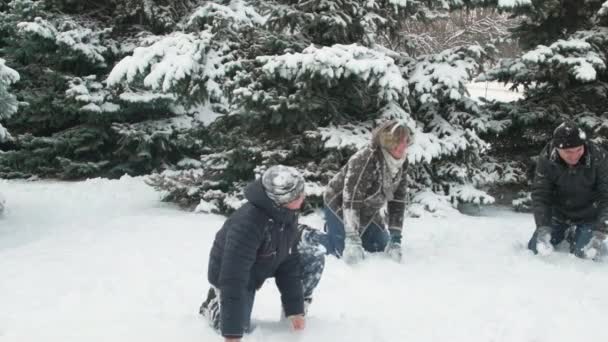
(283, 184)
(568, 135)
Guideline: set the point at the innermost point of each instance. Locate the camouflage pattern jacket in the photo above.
(363, 187)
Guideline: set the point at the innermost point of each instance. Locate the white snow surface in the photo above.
(105, 260)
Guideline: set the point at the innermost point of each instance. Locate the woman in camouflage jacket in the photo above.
(365, 201)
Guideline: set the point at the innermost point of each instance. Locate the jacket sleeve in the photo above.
(602, 188)
(289, 282)
(396, 207)
(542, 192)
(352, 199)
(240, 251)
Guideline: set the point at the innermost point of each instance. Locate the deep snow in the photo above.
(107, 261)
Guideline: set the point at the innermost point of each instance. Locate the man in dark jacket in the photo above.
(257, 242)
(570, 194)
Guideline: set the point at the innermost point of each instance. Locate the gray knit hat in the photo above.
(283, 184)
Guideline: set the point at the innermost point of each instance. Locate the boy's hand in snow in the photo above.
(230, 339)
(297, 322)
(353, 250)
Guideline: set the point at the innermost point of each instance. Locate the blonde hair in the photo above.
(390, 134)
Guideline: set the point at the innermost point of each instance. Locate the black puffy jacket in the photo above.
(571, 194)
(255, 243)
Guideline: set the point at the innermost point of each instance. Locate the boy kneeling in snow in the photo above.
(261, 240)
(570, 194)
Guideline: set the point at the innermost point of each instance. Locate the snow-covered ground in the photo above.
(106, 261)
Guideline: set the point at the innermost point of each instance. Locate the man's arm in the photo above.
(602, 188)
(240, 251)
(542, 193)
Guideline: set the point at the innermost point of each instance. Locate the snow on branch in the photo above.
(173, 61)
(4, 135)
(513, 3)
(502, 4)
(467, 193)
(39, 27)
(440, 77)
(427, 201)
(72, 36)
(576, 55)
(87, 42)
(338, 62)
(8, 76)
(8, 101)
(578, 59)
(238, 12)
(604, 10)
(91, 94)
(353, 136)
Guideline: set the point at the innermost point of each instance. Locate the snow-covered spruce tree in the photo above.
(460, 166)
(306, 88)
(462, 27)
(157, 16)
(8, 107)
(8, 101)
(563, 72)
(72, 125)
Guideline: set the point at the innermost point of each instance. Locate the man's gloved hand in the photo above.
(595, 248)
(393, 248)
(353, 250)
(543, 240)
